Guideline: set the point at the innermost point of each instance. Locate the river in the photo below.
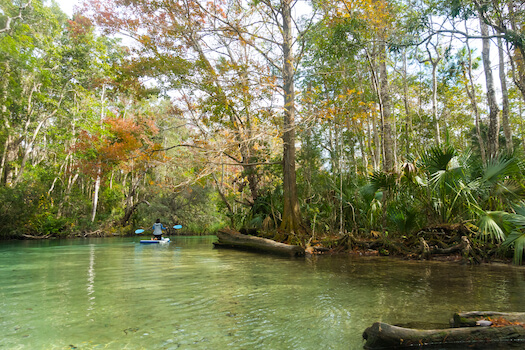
(114, 293)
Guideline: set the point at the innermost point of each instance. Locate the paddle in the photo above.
(139, 231)
(177, 227)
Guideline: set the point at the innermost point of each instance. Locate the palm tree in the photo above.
(490, 194)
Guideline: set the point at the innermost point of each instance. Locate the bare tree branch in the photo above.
(11, 19)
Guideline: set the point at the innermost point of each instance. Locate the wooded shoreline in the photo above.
(383, 131)
(444, 243)
(449, 247)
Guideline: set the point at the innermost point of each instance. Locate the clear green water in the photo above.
(117, 294)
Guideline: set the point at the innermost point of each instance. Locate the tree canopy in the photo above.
(298, 119)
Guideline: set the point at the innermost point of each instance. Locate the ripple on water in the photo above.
(113, 294)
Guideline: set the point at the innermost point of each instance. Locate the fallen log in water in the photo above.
(472, 318)
(232, 239)
(385, 336)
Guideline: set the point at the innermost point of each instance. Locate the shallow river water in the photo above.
(115, 293)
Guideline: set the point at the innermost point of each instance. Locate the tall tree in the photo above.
(377, 18)
(274, 28)
(505, 99)
(467, 63)
(434, 58)
(291, 212)
(493, 133)
(507, 18)
(386, 109)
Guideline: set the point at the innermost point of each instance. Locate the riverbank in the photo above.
(454, 243)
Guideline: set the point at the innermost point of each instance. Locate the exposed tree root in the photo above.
(97, 233)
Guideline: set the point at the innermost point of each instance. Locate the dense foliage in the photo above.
(394, 116)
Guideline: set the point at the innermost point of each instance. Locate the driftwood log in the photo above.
(385, 336)
(35, 237)
(473, 318)
(232, 239)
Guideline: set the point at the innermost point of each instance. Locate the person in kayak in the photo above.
(157, 230)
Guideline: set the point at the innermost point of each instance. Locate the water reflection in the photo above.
(115, 293)
(91, 278)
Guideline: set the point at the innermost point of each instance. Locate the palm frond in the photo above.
(516, 238)
(499, 167)
(520, 208)
(438, 177)
(475, 185)
(509, 189)
(438, 158)
(519, 248)
(517, 220)
(368, 192)
(492, 225)
(404, 219)
(448, 178)
(383, 181)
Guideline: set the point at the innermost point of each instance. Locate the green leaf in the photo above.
(518, 239)
(493, 226)
(438, 158)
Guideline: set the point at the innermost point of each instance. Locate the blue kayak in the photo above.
(150, 241)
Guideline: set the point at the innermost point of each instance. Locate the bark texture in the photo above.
(384, 336)
(493, 134)
(471, 92)
(505, 112)
(386, 122)
(232, 239)
(291, 221)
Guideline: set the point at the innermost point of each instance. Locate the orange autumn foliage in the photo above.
(502, 322)
(118, 142)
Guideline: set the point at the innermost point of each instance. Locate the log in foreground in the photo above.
(232, 239)
(384, 336)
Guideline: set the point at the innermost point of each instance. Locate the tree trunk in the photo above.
(291, 221)
(520, 49)
(220, 189)
(377, 143)
(362, 147)
(378, 147)
(71, 181)
(4, 115)
(341, 159)
(513, 33)
(493, 133)
(434, 101)
(130, 211)
(434, 61)
(408, 119)
(471, 92)
(505, 96)
(386, 122)
(232, 239)
(30, 147)
(11, 155)
(95, 196)
(384, 336)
